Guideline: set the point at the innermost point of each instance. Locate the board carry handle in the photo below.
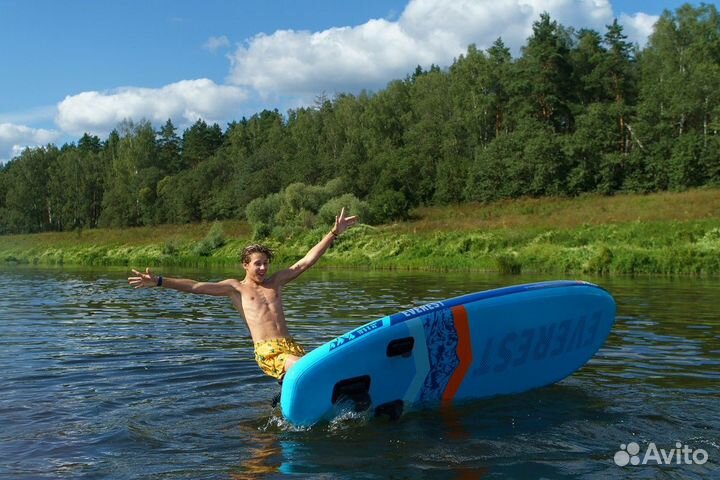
(355, 389)
(400, 347)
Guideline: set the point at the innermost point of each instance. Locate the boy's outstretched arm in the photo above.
(148, 280)
(342, 223)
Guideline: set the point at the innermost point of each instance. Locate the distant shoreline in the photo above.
(671, 234)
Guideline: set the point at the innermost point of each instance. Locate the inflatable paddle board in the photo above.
(490, 343)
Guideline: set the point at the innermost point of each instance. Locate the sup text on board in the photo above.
(357, 333)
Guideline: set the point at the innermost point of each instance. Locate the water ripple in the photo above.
(98, 380)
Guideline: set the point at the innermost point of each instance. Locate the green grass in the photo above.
(666, 233)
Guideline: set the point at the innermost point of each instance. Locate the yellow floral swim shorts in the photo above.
(271, 354)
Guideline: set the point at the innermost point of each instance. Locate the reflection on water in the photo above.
(98, 380)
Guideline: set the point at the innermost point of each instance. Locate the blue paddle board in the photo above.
(497, 342)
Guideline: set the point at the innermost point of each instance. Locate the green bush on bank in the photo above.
(300, 207)
(369, 247)
(214, 239)
(668, 247)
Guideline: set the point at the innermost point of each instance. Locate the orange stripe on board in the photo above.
(464, 352)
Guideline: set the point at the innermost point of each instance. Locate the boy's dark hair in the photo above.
(255, 248)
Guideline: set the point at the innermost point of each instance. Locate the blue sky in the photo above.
(76, 66)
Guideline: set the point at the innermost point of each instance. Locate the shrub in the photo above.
(170, 247)
(334, 188)
(261, 231)
(299, 196)
(601, 261)
(214, 239)
(387, 206)
(508, 263)
(264, 210)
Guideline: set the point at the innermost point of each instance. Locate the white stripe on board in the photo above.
(422, 363)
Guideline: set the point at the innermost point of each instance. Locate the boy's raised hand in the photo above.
(342, 222)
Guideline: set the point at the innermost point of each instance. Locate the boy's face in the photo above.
(256, 268)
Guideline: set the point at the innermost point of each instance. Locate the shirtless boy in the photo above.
(258, 298)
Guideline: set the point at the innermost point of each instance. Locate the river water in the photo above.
(98, 380)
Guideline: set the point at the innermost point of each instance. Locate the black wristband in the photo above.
(159, 281)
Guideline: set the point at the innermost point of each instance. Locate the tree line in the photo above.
(576, 112)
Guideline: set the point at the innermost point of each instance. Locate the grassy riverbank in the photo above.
(665, 233)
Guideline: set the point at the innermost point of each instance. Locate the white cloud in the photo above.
(213, 44)
(184, 102)
(15, 138)
(638, 26)
(291, 62)
(338, 58)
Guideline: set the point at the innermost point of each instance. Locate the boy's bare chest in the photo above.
(261, 301)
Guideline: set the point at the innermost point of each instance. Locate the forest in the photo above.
(577, 112)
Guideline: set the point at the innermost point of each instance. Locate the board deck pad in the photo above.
(497, 342)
